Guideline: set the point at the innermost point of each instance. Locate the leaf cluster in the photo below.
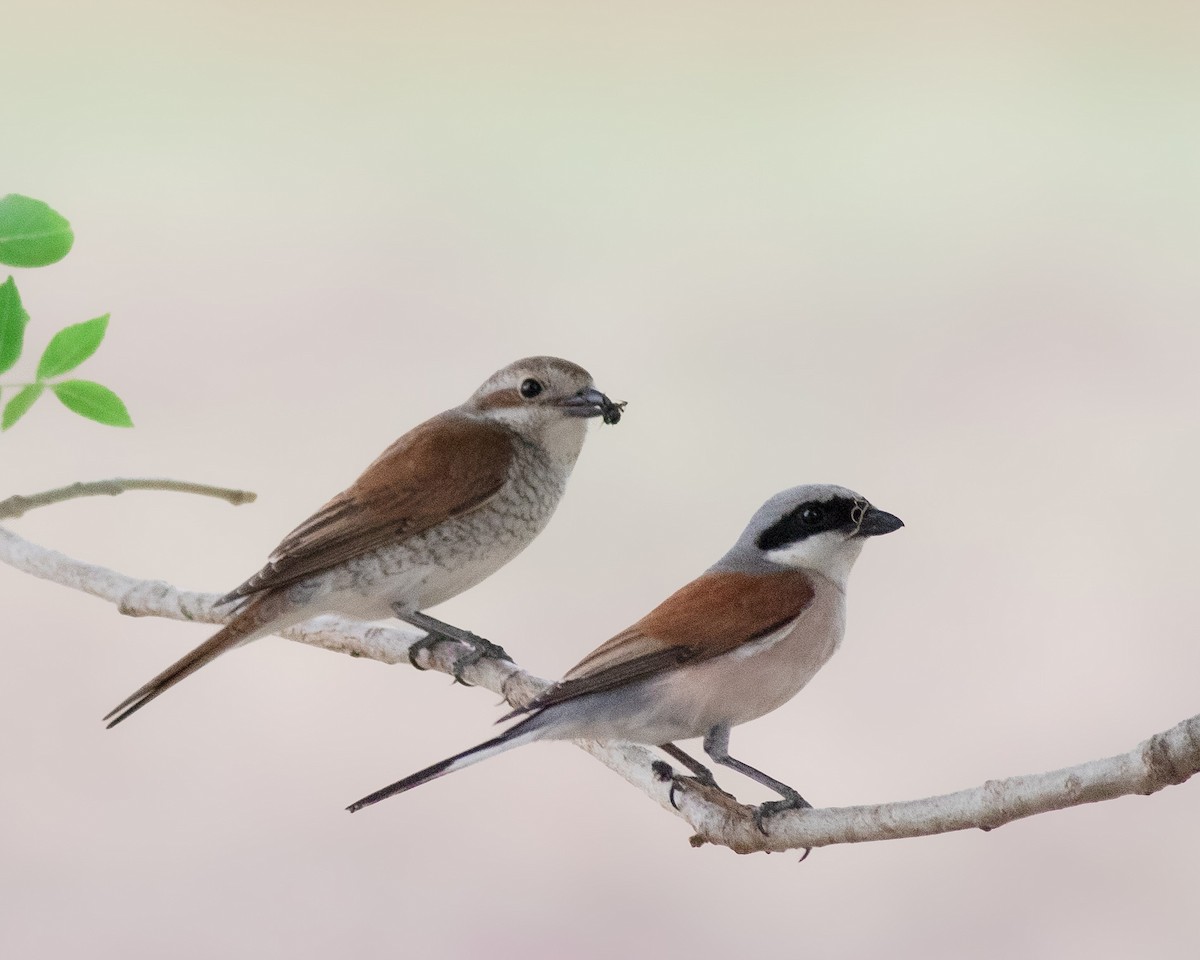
(34, 235)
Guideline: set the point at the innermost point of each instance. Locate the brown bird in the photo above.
(737, 642)
(441, 509)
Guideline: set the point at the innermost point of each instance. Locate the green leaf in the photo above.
(93, 401)
(19, 405)
(31, 234)
(12, 324)
(71, 346)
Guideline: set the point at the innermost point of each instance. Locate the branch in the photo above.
(1167, 758)
(18, 506)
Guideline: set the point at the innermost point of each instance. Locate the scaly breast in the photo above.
(464, 551)
(459, 552)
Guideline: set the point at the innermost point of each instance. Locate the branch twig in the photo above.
(1165, 759)
(17, 506)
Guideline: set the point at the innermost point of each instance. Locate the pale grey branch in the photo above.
(19, 505)
(1165, 759)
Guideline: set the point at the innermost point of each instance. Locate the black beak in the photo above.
(878, 522)
(590, 402)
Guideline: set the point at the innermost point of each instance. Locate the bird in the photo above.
(732, 645)
(440, 510)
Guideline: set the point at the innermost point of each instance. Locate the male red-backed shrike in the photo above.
(441, 509)
(734, 644)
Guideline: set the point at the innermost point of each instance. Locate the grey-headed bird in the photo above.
(737, 642)
(441, 509)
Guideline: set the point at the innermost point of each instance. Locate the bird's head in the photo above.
(816, 527)
(545, 399)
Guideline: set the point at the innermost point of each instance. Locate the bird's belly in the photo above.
(371, 597)
(728, 690)
(441, 583)
(416, 582)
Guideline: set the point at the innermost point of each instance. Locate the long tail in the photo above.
(257, 618)
(524, 732)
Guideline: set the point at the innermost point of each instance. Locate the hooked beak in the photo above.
(590, 402)
(878, 522)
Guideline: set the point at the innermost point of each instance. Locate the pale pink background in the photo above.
(942, 253)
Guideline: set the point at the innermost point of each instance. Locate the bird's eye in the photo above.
(531, 388)
(811, 516)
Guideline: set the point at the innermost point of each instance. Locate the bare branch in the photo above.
(17, 506)
(1165, 759)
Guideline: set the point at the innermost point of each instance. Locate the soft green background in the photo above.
(942, 253)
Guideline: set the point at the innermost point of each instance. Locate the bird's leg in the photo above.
(716, 745)
(701, 773)
(436, 631)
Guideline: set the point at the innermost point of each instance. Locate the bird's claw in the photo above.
(478, 649)
(426, 642)
(792, 801)
(664, 772)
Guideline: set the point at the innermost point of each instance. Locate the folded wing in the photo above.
(448, 466)
(713, 615)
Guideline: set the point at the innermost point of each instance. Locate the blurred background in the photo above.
(942, 254)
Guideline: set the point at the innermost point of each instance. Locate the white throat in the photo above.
(830, 554)
(562, 438)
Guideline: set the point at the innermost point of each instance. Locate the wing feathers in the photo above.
(714, 614)
(445, 467)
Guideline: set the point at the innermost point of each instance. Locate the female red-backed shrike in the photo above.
(734, 644)
(441, 509)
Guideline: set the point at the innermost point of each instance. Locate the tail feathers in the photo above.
(516, 736)
(252, 621)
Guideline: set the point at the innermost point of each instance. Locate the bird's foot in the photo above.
(664, 772)
(791, 801)
(478, 649)
(436, 631)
